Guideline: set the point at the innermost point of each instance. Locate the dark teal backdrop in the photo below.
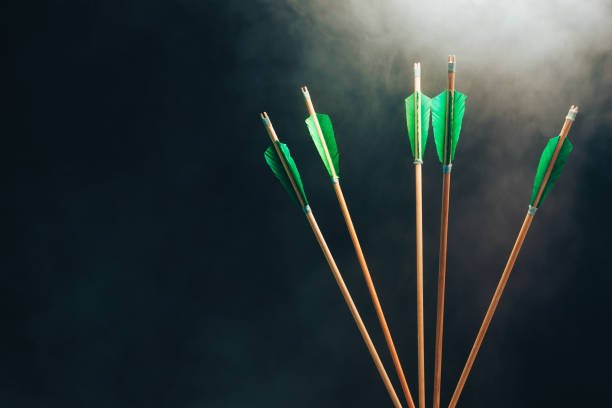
(152, 260)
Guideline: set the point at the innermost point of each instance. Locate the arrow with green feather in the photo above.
(278, 158)
(447, 110)
(418, 111)
(550, 166)
(280, 161)
(322, 133)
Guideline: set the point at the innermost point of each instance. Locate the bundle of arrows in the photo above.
(445, 112)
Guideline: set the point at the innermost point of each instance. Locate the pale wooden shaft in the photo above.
(419, 256)
(441, 288)
(451, 75)
(450, 88)
(373, 295)
(417, 112)
(491, 310)
(353, 309)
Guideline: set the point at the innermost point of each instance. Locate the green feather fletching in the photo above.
(447, 132)
(278, 169)
(330, 141)
(424, 122)
(556, 170)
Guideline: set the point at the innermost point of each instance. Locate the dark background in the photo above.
(152, 260)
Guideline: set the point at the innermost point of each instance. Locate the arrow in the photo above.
(447, 111)
(418, 110)
(551, 164)
(322, 133)
(280, 161)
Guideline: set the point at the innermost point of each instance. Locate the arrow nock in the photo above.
(452, 63)
(571, 115)
(417, 69)
(268, 124)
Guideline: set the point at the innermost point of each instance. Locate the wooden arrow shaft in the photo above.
(419, 256)
(441, 288)
(418, 150)
(450, 102)
(353, 309)
(491, 310)
(373, 294)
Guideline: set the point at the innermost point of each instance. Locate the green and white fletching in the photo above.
(330, 142)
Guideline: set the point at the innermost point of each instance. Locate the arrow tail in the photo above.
(446, 123)
(545, 159)
(328, 136)
(424, 108)
(287, 172)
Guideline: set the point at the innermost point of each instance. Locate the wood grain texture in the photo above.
(418, 149)
(441, 288)
(419, 256)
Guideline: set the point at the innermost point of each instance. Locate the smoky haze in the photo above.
(157, 262)
(522, 64)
